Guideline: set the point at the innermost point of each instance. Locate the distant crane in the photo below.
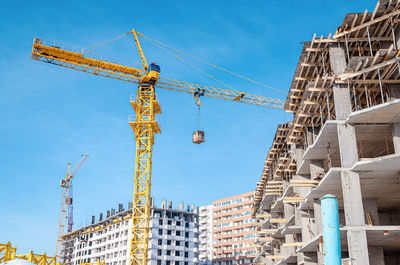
(146, 106)
(66, 203)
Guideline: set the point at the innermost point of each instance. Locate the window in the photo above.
(168, 242)
(160, 242)
(160, 231)
(159, 252)
(159, 262)
(186, 244)
(176, 262)
(160, 222)
(186, 254)
(91, 235)
(186, 234)
(168, 252)
(177, 243)
(169, 232)
(170, 222)
(187, 225)
(90, 243)
(178, 223)
(186, 263)
(178, 233)
(177, 253)
(168, 262)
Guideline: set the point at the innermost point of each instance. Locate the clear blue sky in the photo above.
(51, 115)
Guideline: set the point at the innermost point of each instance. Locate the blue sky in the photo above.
(51, 115)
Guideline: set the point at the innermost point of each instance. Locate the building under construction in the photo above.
(344, 140)
(173, 237)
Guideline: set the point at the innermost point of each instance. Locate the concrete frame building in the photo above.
(233, 230)
(206, 234)
(344, 140)
(173, 238)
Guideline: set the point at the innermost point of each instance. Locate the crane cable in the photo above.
(183, 60)
(216, 66)
(159, 44)
(100, 44)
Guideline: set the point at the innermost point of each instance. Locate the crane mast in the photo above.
(66, 203)
(144, 123)
(144, 127)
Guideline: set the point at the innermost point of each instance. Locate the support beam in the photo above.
(345, 76)
(371, 22)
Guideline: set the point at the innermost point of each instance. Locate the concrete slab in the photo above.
(330, 183)
(310, 246)
(379, 178)
(386, 235)
(383, 163)
(388, 112)
(326, 137)
(291, 229)
(313, 244)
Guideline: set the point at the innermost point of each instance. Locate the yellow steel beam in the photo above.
(45, 52)
(7, 252)
(140, 50)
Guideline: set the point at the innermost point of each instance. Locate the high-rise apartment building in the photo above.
(233, 230)
(173, 238)
(206, 234)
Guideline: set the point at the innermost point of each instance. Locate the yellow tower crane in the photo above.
(144, 124)
(66, 202)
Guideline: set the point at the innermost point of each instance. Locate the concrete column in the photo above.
(341, 92)
(376, 256)
(307, 225)
(317, 216)
(310, 136)
(318, 226)
(354, 215)
(337, 58)
(298, 154)
(370, 206)
(351, 187)
(396, 137)
(316, 169)
(341, 96)
(347, 145)
(288, 210)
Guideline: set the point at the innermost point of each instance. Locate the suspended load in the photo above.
(198, 137)
(198, 134)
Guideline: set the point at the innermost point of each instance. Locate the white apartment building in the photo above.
(173, 238)
(206, 234)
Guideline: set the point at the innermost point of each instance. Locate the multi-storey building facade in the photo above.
(206, 234)
(233, 230)
(173, 238)
(344, 140)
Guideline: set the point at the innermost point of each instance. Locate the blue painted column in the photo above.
(330, 230)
